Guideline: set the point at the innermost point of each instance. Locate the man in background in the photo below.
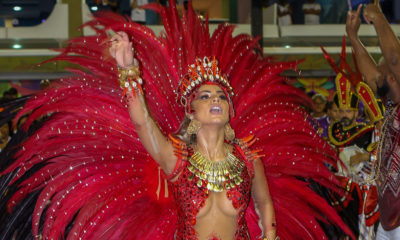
(384, 80)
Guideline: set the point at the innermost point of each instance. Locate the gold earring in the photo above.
(229, 132)
(193, 127)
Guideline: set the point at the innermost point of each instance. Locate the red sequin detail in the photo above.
(190, 198)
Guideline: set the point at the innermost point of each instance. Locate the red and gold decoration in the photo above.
(373, 106)
(346, 97)
(317, 85)
(203, 71)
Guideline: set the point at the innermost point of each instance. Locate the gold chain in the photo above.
(217, 176)
(379, 150)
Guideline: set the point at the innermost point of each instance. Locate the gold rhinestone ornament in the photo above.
(204, 70)
(217, 176)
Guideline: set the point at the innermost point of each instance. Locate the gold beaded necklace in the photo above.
(380, 146)
(216, 176)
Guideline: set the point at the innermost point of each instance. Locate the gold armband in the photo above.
(270, 232)
(130, 78)
(267, 238)
(125, 73)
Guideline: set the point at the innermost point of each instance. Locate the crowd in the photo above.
(368, 146)
(322, 11)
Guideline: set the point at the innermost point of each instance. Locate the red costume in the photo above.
(388, 174)
(190, 198)
(94, 177)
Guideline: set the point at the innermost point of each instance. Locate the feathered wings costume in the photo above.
(87, 173)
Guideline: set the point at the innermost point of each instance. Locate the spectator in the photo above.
(311, 11)
(284, 13)
(319, 114)
(138, 14)
(384, 80)
(319, 106)
(332, 111)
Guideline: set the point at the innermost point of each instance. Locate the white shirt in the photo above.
(139, 15)
(286, 19)
(311, 18)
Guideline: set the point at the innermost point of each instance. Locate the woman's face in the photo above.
(211, 105)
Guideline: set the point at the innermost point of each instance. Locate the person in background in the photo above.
(311, 11)
(351, 140)
(138, 14)
(384, 80)
(332, 111)
(319, 114)
(284, 13)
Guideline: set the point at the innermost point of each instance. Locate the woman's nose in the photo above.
(216, 99)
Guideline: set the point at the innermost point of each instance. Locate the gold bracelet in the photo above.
(129, 78)
(267, 238)
(127, 74)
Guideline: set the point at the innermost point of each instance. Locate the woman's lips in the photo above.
(216, 109)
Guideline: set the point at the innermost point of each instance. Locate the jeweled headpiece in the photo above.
(203, 71)
(345, 98)
(345, 79)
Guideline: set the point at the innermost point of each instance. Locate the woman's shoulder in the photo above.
(249, 153)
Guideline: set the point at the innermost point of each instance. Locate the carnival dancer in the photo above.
(370, 209)
(174, 168)
(357, 142)
(384, 80)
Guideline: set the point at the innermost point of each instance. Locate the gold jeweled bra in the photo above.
(216, 176)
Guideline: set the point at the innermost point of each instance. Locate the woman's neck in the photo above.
(210, 142)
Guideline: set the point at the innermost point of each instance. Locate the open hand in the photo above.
(353, 22)
(121, 50)
(372, 11)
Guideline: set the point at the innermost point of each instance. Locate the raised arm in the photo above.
(388, 41)
(365, 62)
(156, 144)
(263, 201)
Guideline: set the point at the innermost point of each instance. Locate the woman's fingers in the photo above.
(124, 36)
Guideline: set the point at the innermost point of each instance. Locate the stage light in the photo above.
(287, 46)
(17, 8)
(94, 8)
(17, 46)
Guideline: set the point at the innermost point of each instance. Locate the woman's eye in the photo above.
(205, 96)
(223, 97)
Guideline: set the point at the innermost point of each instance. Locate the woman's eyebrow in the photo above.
(207, 91)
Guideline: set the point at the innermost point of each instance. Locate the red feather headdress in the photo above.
(91, 171)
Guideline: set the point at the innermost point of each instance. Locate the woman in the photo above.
(96, 170)
(214, 215)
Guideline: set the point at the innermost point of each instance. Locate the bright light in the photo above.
(287, 46)
(17, 8)
(17, 46)
(94, 8)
